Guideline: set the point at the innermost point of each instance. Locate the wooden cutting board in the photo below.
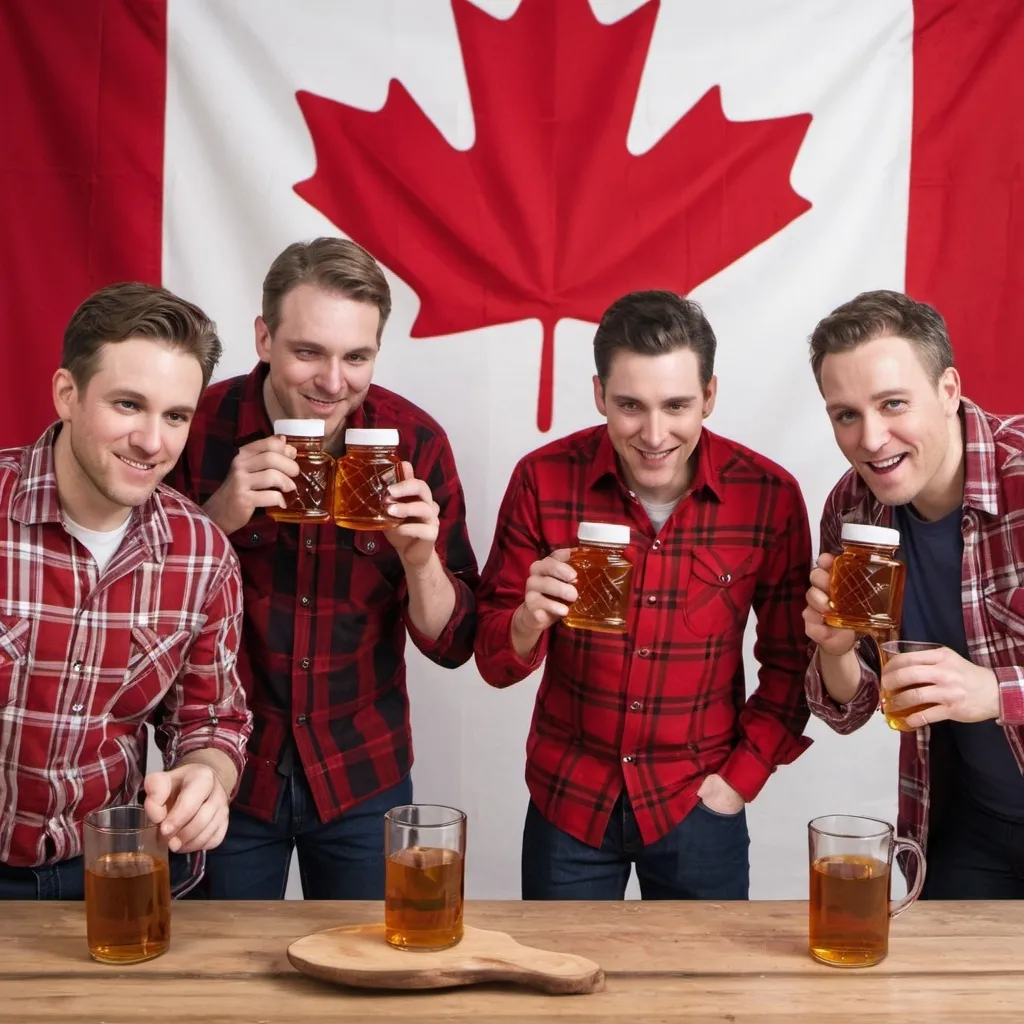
(360, 956)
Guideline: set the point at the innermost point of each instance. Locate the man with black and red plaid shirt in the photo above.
(950, 477)
(644, 747)
(120, 604)
(327, 610)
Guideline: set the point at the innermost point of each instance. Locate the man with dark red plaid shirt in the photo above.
(327, 610)
(950, 478)
(120, 602)
(644, 747)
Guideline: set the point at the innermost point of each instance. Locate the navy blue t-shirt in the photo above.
(933, 610)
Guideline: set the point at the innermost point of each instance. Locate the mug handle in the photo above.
(909, 846)
(195, 875)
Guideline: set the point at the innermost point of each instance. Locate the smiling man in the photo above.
(950, 478)
(327, 610)
(120, 602)
(645, 747)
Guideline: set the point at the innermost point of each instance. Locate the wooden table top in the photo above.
(948, 963)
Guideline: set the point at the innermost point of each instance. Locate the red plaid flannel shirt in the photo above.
(658, 708)
(325, 612)
(993, 588)
(87, 658)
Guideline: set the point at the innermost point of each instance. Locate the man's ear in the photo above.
(65, 393)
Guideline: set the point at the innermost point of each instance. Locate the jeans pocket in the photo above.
(720, 814)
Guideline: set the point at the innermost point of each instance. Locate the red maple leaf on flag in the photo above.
(548, 215)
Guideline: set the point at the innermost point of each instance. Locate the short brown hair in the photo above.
(652, 323)
(335, 264)
(879, 314)
(133, 309)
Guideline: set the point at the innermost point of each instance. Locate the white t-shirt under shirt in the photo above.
(658, 514)
(102, 545)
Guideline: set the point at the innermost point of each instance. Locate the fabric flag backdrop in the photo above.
(516, 166)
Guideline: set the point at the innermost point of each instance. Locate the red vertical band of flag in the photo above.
(82, 94)
(965, 243)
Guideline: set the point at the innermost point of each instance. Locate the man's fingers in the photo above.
(192, 795)
(159, 788)
(553, 568)
(184, 840)
(211, 836)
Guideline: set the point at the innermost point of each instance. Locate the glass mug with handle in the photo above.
(888, 650)
(128, 885)
(850, 881)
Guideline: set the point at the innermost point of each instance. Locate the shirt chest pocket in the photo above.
(1006, 608)
(720, 588)
(154, 663)
(379, 569)
(14, 635)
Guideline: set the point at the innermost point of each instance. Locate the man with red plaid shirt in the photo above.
(950, 478)
(120, 603)
(327, 610)
(644, 747)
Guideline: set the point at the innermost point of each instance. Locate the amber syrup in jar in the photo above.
(866, 582)
(370, 465)
(310, 501)
(604, 578)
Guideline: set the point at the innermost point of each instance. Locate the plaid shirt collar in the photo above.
(981, 473)
(36, 499)
(605, 465)
(254, 420)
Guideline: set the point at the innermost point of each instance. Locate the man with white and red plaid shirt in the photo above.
(645, 746)
(950, 478)
(120, 603)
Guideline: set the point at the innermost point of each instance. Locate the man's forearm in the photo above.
(840, 674)
(431, 597)
(222, 765)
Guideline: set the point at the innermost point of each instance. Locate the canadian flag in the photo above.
(515, 165)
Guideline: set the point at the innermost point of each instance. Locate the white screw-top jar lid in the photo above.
(603, 533)
(371, 436)
(300, 428)
(861, 533)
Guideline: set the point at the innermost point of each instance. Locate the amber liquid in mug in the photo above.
(127, 907)
(423, 898)
(849, 910)
(603, 581)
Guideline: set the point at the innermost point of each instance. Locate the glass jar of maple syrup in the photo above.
(866, 582)
(362, 476)
(310, 501)
(604, 578)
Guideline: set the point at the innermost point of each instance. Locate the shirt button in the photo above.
(628, 759)
(371, 545)
(725, 578)
(77, 666)
(255, 538)
(651, 599)
(301, 720)
(304, 601)
(77, 708)
(309, 542)
(656, 546)
(305, 663)
(635, 706)
(644, 652)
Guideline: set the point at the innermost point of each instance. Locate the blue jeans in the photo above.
(65, 880)
(342, 859)
(974, 856)
(705, 857)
